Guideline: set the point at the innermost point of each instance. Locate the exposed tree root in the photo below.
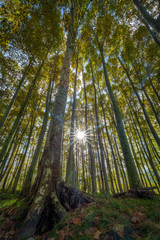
(53, 209)
(72, 198)
(146, 193)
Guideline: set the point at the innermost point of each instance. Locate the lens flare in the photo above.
(80, 135)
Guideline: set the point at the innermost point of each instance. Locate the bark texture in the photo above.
(46, 195)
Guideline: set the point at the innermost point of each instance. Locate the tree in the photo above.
(50, 176)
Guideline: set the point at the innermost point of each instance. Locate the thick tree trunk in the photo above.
(46, 204)
(70, 172)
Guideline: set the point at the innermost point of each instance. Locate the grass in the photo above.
(110, 217)
(121, 218)
(7, 199)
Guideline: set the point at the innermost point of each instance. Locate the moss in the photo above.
(113, 215)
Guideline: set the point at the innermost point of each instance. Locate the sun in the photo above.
(80, 135)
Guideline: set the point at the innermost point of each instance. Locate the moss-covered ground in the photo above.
(105, 219)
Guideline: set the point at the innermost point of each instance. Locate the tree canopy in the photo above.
(80, 99)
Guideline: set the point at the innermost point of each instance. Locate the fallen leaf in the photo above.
(66, 231)
(82, 212)
(51, 239)
(91, 204)
(120, 229)
(72, 233)
(77, 221)
(137, 217)
(61, 235)
(12, 231)
(97, 234)
(10, 210)
(90, 231)
(71, 220)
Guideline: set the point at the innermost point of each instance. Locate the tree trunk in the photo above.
(129, 162)
(24, 105)
(155, 135)
(46, 205)
(70, 172)
(24, 156)
(100, 138)
(148, 98)
(14, 96)
(28, 180)
(91, 155)
(154, 23)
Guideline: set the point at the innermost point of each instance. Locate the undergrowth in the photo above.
(112, 219)
(105, 219)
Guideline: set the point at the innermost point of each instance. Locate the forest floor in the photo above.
(104, 219)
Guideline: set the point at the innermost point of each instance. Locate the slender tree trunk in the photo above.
(14, 96)
(153, 87)
(120, 159)
(100, 138)
(148, 98)
(110, 143)
(91, 155)
(100, 165)
(3, 164)
(8, 169)
(157, 156)
(155, 135)
(149, 154)
(24, 156)
(83, 170)
(108, 165)
(28, 180)
(142, 140)
(129, 162)
(24, 105)
(152, 33)
(134, 154)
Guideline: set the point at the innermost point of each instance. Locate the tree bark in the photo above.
(47, 194)
(99, 137)
(27, 182)
(91, 155)
(70, 172)
(24, 105)
(154, 23)
(128, 158)
(14, 96)
(155, 135)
